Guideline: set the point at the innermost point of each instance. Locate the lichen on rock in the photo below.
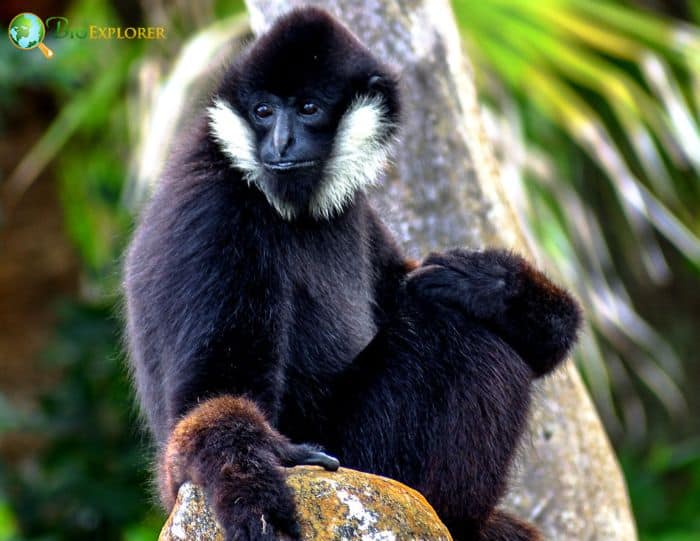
(346, 505)
(191, 518)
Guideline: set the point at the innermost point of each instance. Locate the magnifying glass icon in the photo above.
(27, 31)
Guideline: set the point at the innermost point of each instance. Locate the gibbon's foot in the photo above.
(536, 317)
(499, 526)
(226, 446)
(479, 283)
(502, 526)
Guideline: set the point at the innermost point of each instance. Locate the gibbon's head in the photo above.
(308, 115)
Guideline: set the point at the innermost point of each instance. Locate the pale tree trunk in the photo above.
(445, 191)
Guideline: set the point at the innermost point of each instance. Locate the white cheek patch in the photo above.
(236, 138)
(237, 142)
(360, 152)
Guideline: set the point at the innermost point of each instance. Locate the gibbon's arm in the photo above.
(211, 386)
(448, 375)
(184, 278)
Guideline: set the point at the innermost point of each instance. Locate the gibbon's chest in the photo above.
(330, 299)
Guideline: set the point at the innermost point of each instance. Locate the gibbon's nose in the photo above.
(283, 136)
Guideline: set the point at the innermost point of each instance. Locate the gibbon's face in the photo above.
(294, 139)
(307, 114)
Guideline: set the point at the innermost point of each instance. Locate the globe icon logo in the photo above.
(27, 31)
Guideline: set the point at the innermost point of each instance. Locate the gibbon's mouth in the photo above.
(289, 165)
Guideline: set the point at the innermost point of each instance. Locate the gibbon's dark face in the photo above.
(307, 114)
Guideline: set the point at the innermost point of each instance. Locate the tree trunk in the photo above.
(444, 191)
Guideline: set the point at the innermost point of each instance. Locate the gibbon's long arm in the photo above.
(190, 338)
(207, 361)
(494, 288)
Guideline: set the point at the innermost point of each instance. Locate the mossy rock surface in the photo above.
(332, 506)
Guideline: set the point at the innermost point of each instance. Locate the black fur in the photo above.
(244, 326)
(309, 51)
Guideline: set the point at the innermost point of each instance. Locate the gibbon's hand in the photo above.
(226, 446)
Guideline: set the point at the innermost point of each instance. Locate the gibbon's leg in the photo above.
(440, 397)
(439, 403)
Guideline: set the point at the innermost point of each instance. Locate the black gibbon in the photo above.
(272, 318)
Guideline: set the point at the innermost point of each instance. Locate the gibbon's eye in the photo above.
(309, 108)
(263, 110)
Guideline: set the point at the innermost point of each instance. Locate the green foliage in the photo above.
(664, 485)
(91, 480)
(87, 143)
(599, 101)
(91, 477)
(95, 218)
(8, 522)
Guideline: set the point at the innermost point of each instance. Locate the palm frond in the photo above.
(622, 86)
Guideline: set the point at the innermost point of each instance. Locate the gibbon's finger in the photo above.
(317, 458)
(307, 455)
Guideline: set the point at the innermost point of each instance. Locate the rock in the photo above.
(332, 506)
(191, 518)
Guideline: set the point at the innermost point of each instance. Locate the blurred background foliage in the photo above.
(594, 109)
